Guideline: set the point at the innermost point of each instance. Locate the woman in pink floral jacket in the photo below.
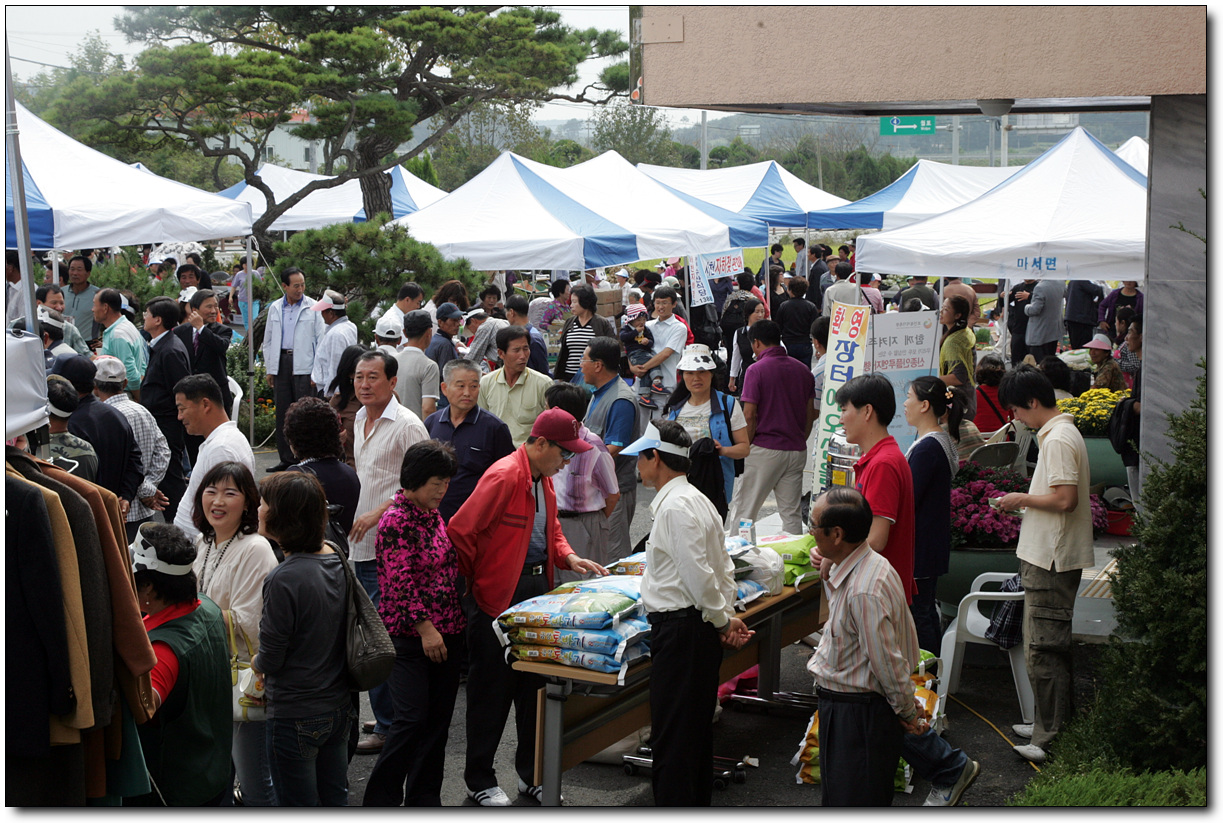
(418, 576)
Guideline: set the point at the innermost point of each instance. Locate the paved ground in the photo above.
(986, 696)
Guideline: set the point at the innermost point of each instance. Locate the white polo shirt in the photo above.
(1064, 538)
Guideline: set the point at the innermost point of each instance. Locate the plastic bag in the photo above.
(768, 568)
(634, 564)
(748, 590)
(580, 659)
(613, 641)
(793, 549)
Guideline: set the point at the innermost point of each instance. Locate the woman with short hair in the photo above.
(302, 649)
(418, 575)
(582, 326)
(231, 562)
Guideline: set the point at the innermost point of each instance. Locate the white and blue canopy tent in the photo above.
(326, 207)
(521, 214)
(926, 189)
(1077, 205)
(764, 191)
(1136, 152)
(77, 197)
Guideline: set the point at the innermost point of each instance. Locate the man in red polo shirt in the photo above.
(508, 540)
(883, 476)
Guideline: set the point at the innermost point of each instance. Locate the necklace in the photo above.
(220, 556)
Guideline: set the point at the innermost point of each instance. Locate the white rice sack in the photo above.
(748, 590)
(614, 641)
(580, 659)
(634, 564)
(627, 585)
(568, 609)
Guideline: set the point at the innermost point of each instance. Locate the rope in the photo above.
(992, 726)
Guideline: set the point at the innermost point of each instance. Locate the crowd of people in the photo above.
(459, 479)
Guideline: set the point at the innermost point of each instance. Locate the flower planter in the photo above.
(1106, 465)
(965, 564)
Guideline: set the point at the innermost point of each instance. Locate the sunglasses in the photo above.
(566, 455)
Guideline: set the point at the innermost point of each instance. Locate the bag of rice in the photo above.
(793, 571)
(793, 549)
(767, 567)
(613, 641)
(568, 609)
(628, 585)
(747, 591)
(633, 564)
(581, 659)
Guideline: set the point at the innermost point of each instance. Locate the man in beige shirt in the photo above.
(1055, 545)
(513, 392)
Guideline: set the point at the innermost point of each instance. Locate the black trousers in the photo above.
(1018, 348)
(1042, 351)
(492, 687)
(289, 387)
(413, 759)
(860, 738)
(174, 484)
(686, 654)
(1079, 333)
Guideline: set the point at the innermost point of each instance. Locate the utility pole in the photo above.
(704, 143)
(1003, 128)
(955, 140)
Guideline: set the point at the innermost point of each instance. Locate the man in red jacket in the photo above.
(509, 540)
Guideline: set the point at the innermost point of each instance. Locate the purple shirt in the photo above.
(781, 387)
(586, 481)
(417, 571)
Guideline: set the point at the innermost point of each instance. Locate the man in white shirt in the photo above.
(409, 298)
(1055, 545)
(688, 593)
(388, 335)
(383, 430)
(202, 412)
(290, 340)
(341, 333)
(670, 336)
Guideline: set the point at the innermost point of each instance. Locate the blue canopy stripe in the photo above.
(868, 212)
(38, 213)
(773, 203)
(745, 230)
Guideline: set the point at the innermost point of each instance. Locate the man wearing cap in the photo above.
(509, 540)
(168, 364)
(388, 334)
(513, 392)
(341, 333)
(410, 297)
(51, 325)
(651, 281)
(442, 348)
(51, 296)
(870, 288)
(517, 312)
(108, 386)
(417, 386)
(120, 337)
(61, 403)
(688, 593)
(120, 466)
(482, 345)
(290, 340)
(622, 282)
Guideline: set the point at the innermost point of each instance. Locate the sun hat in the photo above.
(622, 273)
(1099, 341)
(671, 261)
(561, 428)
(388, 327)
(475, 314)
(652, 439)
(696, 357)
(633, 310)
(329, 300)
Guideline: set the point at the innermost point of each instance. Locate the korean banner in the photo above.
(847, 336)
(902, 346)
(711, 267)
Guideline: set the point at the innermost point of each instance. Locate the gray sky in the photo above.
(48, 34)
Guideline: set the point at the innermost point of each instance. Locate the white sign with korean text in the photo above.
(903, 346)
(711, 267)
(847, 335)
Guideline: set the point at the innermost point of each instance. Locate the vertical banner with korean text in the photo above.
(847, 335)
(902, 346)
(710, 267)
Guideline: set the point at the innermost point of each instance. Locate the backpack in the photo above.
(1123, 427)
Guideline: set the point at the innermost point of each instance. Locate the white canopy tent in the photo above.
(326, 207)
(521, 214)
(765, 191)
(1077, 212)
(926, 189)
(77, 197)
(1136, 152)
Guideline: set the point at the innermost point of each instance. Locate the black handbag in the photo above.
(369, 653)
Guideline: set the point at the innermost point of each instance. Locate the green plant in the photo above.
(126, 274)
(1104, 787)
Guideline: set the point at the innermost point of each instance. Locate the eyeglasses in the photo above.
(566, 455)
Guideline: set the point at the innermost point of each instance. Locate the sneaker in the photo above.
(951, 795)
(536, 792)
(490, 797)
(647, 402)
(1023, 730)
(1029, 752)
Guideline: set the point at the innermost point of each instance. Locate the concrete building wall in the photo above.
(754, 57)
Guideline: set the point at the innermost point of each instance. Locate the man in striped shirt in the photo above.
(862, 665)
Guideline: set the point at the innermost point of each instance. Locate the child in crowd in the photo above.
(639, 347)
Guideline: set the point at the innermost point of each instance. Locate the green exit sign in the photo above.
(906, 125)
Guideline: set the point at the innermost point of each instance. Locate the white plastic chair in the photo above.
(236, 391)
(996, 455)
(969, 627)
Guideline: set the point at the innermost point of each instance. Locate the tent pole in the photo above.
(250, 341)
(21, 223)
(1005, 297)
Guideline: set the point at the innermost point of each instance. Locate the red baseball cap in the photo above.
(561, 428)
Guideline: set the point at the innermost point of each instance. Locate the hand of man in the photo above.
(824, 564)
(736, 634)
(157, 501)
(731, 385)
(637, 370)
(1022, 295)
(583, 566)
(915, 726)
(271, 378)
(124, 505)
(195, 318)
(363, 524)
(1013, 502)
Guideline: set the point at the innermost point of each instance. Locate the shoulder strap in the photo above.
(992, 405)
(725, 410)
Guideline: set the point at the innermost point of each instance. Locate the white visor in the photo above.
(652, 439)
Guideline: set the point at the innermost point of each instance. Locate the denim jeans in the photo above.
(309, 758)
(926, 615)
(933, 758)
(250, 754)
(379, 696)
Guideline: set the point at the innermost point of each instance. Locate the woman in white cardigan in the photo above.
(231, 561)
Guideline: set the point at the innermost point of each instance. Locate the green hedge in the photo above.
(1103, 787)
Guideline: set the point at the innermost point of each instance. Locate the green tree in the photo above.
(367, 262)
(369, 76)
(639, 133)
(422, 166)
(91, 62)
(487, 130)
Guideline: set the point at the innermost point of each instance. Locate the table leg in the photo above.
(555, 696)
(768, 635)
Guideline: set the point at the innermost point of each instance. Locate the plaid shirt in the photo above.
(1006, 624)
(153, 447)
